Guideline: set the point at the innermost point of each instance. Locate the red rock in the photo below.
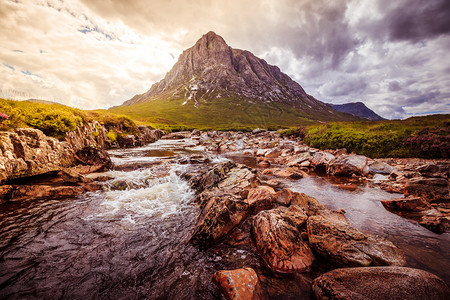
(240, 284)
(382, 283)
(267, 172)
(264, 164)
(290, 173)
(273, 153)
(408, 204)
(279, 242)
(430, 189)
(346, 186)
(34, 192)
(284, 197)
(348, 165)
(260, 198)
(333, 238)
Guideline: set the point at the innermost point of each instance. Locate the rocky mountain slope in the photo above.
(214, 84)
(358, 109)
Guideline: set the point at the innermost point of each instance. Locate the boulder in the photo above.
(290, 173)
(382, 283)
(321, 159)
(240, 284)
(299, 159)
(260, 198)
(279, 241)
(334, 238)
(27, 152)
(408, 204)
(93, 156)
(430, 189)
(126, 141)
(435, 221)
(348, 165)
(219, 216)
(438, 170)
(379, 167)
(274, 153)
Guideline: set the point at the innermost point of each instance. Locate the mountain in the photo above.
(214, 85)
(358, 109)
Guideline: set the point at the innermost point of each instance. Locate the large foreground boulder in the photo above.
(240, 284)
(343, 245)
(381, 283)
(279, 241)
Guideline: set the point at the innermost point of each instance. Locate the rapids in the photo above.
(130, 241)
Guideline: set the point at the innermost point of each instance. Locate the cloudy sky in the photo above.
(392, 55)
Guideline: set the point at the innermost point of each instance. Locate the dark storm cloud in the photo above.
(417, 19)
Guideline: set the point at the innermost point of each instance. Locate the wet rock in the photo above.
(284, 197)
(35, 192)
(379, 167)
(93, 156)
(278, 239)
(321, 159)
(348, 165)
(211, 177)
(439, 170)
(260, 198)
(126, 141)
(408, 204)
(299, 159)
(383, 283)
(219, 216)
(430, 189)
(274, 153)
(290, 173)
(346, 186)
(334, 238)
(239, 284)
(5, 192)
(435, 221)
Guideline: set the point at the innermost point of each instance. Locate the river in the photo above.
(130, 241)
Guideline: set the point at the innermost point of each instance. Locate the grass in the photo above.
(56, 119)
(216, 114)
(427, 137)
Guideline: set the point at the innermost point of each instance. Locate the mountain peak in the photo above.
(212, 73)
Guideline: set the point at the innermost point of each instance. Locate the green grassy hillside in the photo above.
(56, 119)
(427, 137)
(223, 113)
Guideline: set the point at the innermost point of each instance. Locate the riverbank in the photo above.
(145, 183)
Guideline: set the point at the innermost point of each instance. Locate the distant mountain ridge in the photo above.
(358, 109)
(215, 82)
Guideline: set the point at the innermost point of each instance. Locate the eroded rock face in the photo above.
(239, 284)
(279, 241)
(383, 283)
(343, 245)
(347, 165)
(28, 152)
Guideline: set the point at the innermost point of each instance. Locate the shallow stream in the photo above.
(130, 242)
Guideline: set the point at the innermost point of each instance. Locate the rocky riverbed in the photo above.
(251, 228)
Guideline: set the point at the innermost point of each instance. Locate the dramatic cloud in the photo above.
(390, 55)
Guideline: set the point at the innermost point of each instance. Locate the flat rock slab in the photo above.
(381, 283)
(240, 284)
(279, 240)
(334, 238)
(406, 204)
